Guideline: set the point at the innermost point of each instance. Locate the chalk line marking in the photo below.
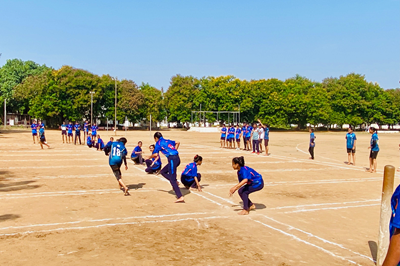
(111, 225)
(305, 242)
(323, 204)
(334, 208)
(54, 166)
(319, 238)
(105, 220)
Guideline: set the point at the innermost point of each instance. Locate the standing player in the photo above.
(136, 155)
(170, 149)
(238, 135)
(117, 155)
(312, 143)
(244, 132)
(42, 138)
(34, 131)
(70, 135)
(94, 132)
(40, 124)
(249, 181)
(374, 146)
(223, 136)
(153, 164)
(64, 132)
(255, 136)
(261, 136)
(351, 146)
(190, 178)
(77, 128)
(231, 136)
(249, 133)
(266, 136)
(85, 130)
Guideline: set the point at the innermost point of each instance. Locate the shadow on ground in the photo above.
(136, 186)
(6, 217)
(6, 185)
(373, 247)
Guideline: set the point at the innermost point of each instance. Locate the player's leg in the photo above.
(354, 157)
(244, 195)
(266, 142)
(348, 157)
(174, 162)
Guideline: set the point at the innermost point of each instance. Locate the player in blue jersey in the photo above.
(100, 143)
(223, 136)
(89, 142)
(266, 137)
(107, 148)
(40, 124)
(170, 149)
(312, 143)
(231, 136)
(153, 164)
(34, 131)
(249, 181)
(117, 155)
(351, 141)
(238, 134)
(190, 178)
(42, 138)
(94, 132)
(374, 146)
(249, 133)
(85, 129)
(393, 253)
(137, 154)
(77, 128)
(69, 131)
(244, 130)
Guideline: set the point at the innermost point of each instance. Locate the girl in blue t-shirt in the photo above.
(137, 153)
(153, 164)
(374, 146)
(223, 136)
(190, 178)
(249, 181)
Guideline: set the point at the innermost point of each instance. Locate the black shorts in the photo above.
(116, 171)
(63, 132)
(351, 151)
(373, 154)
(266, 142)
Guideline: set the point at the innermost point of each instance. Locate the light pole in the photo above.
(5, 113)
(91, 106)
(115, 115)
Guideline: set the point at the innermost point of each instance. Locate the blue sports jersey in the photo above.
(77, 128)
(266, 133)
(223, 134)
(248, 132)
(166, 146)
(34, 128)
(136, 149)
(312, 139)
(86, 127)
(40, 125)
(156, 163)
(395, 219)
(244, 131)
(238, 131)
(118, 152)
(254, 179)
(231, 133)
(89, 141)
(374, 142)
(101, 142)
(94, 129)
(190, 172)
(350, 137)
(69, 127)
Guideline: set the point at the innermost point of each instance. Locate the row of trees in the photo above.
(63, 94)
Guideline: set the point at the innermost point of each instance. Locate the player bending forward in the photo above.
(117, 153)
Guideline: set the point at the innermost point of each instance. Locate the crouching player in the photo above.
(190, 178)
(249, 181)
(89, 142)
(118, 154)
(100, 143)
(153, 164)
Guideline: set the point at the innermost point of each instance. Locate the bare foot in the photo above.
(180, 200)
(252, 207)
(126, 192)
(243, 212)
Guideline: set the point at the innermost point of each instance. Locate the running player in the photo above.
(153, 164)
(64, 132)
(94, 132)
(42, 138)
(136, 155)
(190, 178)
(70, 135)
(312, 143)
(374, 146)
(351, 146)
(238, 133)
(170, 149)
(100, 143)
(117, 155)
(249, 181)
(34, 131)
(223, 136)
(77, 128)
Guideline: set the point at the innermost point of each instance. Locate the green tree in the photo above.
(153, 103)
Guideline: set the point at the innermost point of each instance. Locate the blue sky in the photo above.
(150, 41)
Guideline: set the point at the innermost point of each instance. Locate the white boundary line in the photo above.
(323, 204)
(333, 208)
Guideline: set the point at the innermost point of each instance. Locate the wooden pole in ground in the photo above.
(386, 212)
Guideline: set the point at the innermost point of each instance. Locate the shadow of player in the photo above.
(5, 217)
(136, 186)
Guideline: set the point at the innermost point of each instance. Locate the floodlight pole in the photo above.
(91, 106)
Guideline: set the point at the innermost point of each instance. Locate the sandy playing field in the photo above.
(62, 206)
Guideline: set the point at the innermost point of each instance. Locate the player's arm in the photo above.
(236, 187)
(259, 121)
(197, 183)
(177, 143)
(393, 254)
(354, 145)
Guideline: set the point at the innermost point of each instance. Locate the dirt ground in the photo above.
(62, 206)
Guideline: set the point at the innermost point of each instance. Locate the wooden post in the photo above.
(386, 212)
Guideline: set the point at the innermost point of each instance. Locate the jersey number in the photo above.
(116, 152)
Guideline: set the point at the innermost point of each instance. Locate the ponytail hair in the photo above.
(198, 158)
(239, 161)
(158, 135)
(152, 145)
(123, 140)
